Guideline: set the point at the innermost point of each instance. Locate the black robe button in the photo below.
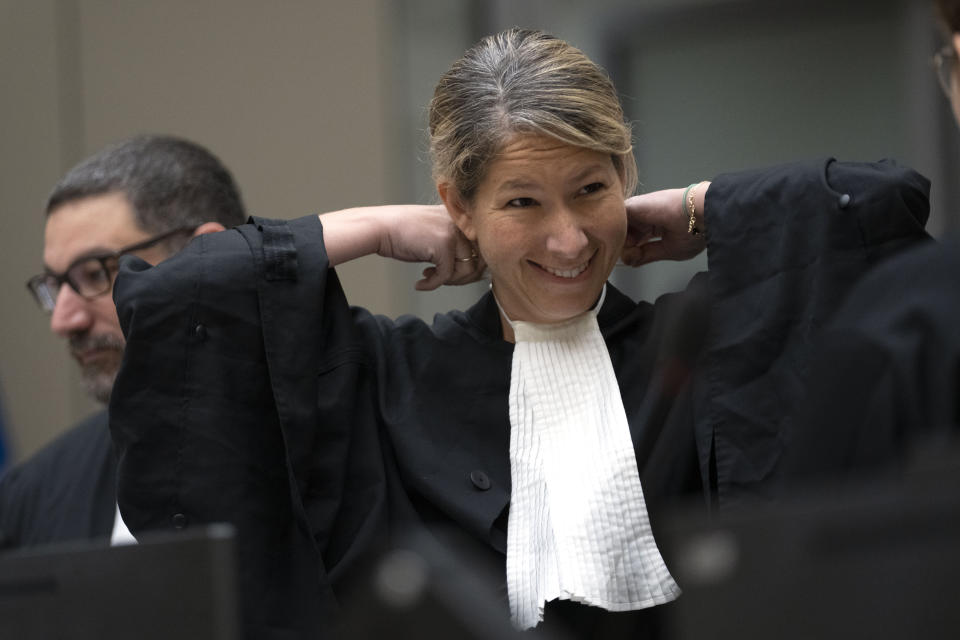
(844, 201)
(201, 332)
(179, 521)
(480, 480)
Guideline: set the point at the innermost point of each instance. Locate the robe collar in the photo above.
(485, 316)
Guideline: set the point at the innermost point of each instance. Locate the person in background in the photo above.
(146, 196)
(946, 59)
(885, 390)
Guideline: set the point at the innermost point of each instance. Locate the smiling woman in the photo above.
(551, 421)
(549, 220)
(533, 158)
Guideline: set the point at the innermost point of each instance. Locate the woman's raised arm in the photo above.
(410, 233)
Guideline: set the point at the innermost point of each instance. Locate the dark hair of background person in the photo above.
(170, 183)
(949, 11)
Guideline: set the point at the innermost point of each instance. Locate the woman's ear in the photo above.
(458, 210)
(208, 227)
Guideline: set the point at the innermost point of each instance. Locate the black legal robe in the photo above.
(252, 393)
(64, 492)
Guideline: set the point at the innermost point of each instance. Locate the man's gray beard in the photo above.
(98, 377)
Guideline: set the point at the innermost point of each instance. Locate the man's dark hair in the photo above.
(949, 11)
(170, 182)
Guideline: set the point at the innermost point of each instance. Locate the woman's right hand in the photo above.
(410, 233)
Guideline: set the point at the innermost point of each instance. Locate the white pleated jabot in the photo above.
(579, 528)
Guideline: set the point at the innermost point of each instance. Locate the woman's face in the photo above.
(550, 222)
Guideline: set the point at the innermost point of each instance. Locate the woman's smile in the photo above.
(565, 273)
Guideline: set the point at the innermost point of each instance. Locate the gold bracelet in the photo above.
(692, 209)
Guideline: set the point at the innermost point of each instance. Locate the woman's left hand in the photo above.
(658, 227)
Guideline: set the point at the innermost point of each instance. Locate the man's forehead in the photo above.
(88, 225)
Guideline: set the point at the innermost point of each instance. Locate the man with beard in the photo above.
(146, 196)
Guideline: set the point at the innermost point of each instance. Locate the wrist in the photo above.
(701, 204)
(353, 233)
(693, 205)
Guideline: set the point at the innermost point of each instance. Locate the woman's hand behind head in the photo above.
(422, 233)
(410, 233)
(658, 227)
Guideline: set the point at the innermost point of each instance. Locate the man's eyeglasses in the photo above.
(945, 62)
(89, 276)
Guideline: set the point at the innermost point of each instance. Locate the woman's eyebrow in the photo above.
(517, 183)
(523, 183)
(588, 170)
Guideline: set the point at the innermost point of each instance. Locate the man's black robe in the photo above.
(64, 492)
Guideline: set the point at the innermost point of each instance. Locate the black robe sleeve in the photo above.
(212, 417)
(785, 246)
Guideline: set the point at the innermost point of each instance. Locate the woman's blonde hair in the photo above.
(522, 81)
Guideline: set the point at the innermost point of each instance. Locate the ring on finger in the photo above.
(473, 256)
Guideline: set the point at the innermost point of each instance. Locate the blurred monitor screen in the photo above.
(880, 562)
(171, 586)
